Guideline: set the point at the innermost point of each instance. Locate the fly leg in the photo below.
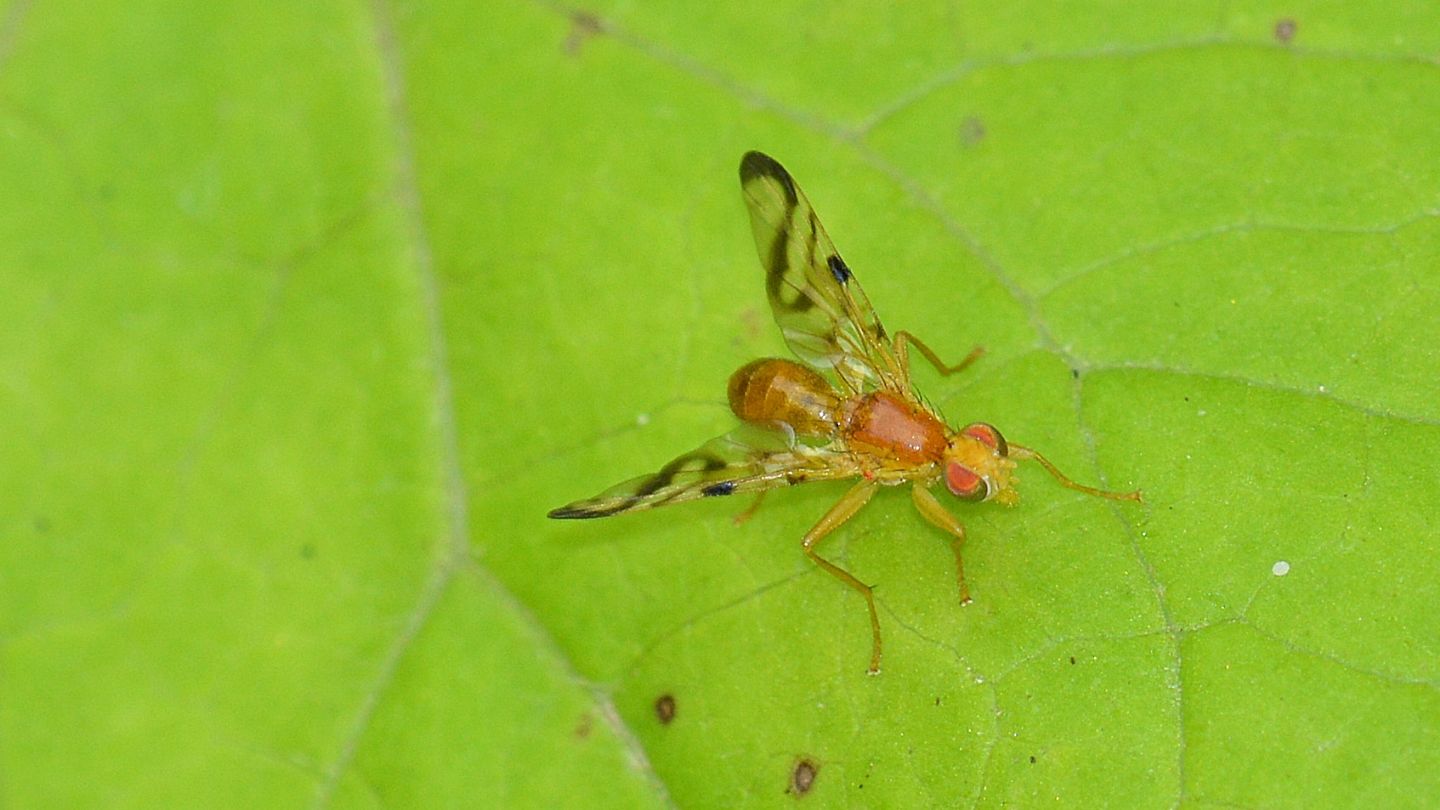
(842, 511)
(932, 511)
(902, 353)
(1016, 451)
(749, 511)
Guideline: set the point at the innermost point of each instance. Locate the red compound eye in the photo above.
(964, 483)
(987, 435)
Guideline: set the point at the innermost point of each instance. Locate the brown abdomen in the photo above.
(891, 425)
(774, 390)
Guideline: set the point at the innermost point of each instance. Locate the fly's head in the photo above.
(978, 466)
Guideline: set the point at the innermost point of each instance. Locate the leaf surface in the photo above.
(313, 313)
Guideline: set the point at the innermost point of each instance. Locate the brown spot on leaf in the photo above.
(802, 776)
(665, 708)
(972, 131)
(583, 728)
(1285, 28)
(583, 26)
(752, 323)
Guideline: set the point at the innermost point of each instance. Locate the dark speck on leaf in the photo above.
(1285, 30)
(583, 26)
(802, 777)
(972, 131)
(665, 708)
(1032, 760)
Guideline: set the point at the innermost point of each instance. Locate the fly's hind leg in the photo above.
(842, 511)
(931, 509)
(902, 352)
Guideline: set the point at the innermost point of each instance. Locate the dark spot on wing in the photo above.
(879, 330)
(722, 488)
(576, 511)
(838, 268)
(665, 708)
(802, 776)
(759, 164)
(690, 462)
(812, 241)
(778, 264)
(697, 462)
(777, 269)
(756, 166)
(1285, 29)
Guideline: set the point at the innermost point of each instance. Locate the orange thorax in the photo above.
(889, 425)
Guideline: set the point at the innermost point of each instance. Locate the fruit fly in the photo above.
(846, 410)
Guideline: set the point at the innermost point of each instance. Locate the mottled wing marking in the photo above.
(823, 313)
(748, 459)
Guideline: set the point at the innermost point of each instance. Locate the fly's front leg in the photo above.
(1017, 451)
(931, 509)
(902, 353)
(842, 511)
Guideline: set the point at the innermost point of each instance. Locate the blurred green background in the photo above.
(311, 311)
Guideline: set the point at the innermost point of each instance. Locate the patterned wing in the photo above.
(748, 459)
(824, 315)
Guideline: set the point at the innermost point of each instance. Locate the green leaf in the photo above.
(314, 311)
